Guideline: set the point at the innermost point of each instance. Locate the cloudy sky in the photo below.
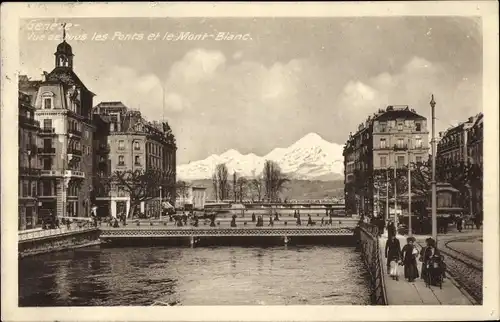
(288, 78)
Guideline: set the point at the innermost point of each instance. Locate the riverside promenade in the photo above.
(403, 292)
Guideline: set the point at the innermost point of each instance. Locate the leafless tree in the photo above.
(242, 187)
(215, 186)
(141, 185)
(274, 180)
(234, 186)
(222, 174)
(257, 185)
(182, 189)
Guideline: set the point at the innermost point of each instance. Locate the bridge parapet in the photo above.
(224, 232)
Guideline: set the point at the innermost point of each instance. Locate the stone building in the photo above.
(133, 143)
(475, 150)
(390, 138)
(192, 198)
(459, 160)
(64, 109)
(29, 165)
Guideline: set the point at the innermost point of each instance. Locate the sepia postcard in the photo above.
(250, 161)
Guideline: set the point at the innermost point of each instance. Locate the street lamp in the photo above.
(396, 195)
(433, 180)
(471, 162)
(410, 232)
(161, 203)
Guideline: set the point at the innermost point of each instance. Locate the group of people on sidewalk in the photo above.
(433, 266)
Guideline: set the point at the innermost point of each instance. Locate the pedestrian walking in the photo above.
(322, 220)
(253, 217)
(271, 222)
(309, 221)
(460, 221)
(409, 259)
(393, 255)
(391, 229)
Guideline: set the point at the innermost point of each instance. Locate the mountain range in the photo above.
(310, 158)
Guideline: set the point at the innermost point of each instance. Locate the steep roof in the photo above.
(395, 114)
(67, 76)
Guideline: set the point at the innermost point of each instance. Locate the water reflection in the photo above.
(198, 276)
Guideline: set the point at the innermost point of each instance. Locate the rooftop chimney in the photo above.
(440, 134)
(471, 119)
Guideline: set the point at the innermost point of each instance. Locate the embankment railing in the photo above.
(371, 253)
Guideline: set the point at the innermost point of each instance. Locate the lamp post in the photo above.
(396, 195)
(28, 152)
(161, 204)
(387, 196)
(410, 232)
(470, 164)
(433, 180)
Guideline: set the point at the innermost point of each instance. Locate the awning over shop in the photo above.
(167, 205)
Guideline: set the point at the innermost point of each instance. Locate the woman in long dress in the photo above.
(409, 257)
(393, 255)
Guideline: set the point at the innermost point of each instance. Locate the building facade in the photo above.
(475, 150)
(132, 143)
(29, 165)
(391, 138)
(459, 160)
(193, 198)
(63, 107)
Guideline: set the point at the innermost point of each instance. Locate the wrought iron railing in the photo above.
(63, 230)
(371, 253)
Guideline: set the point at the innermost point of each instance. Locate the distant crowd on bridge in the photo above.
(193, 218)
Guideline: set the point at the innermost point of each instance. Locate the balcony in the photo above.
(26, 171)
(47, 131)
(103, 149)
(75, 174)
(50, 173)
(400, 147)
(75, 132)
(75, 152)
(46, 150)
(24, 120)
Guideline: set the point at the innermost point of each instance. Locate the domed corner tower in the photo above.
(64, 55)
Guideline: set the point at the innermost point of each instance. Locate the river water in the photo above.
(97, 276)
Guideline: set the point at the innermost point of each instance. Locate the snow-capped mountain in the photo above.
(310, 158)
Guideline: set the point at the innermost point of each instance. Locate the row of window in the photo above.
(73, 164)
(401, 143)
(400, 125)
(72, 125)
(121, 160)
(400, 162)
(25, 190)
(48, 104)
(121, 145)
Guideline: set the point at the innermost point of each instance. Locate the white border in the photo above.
(10, 14)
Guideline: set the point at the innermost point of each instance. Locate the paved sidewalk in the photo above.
(403, 292)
